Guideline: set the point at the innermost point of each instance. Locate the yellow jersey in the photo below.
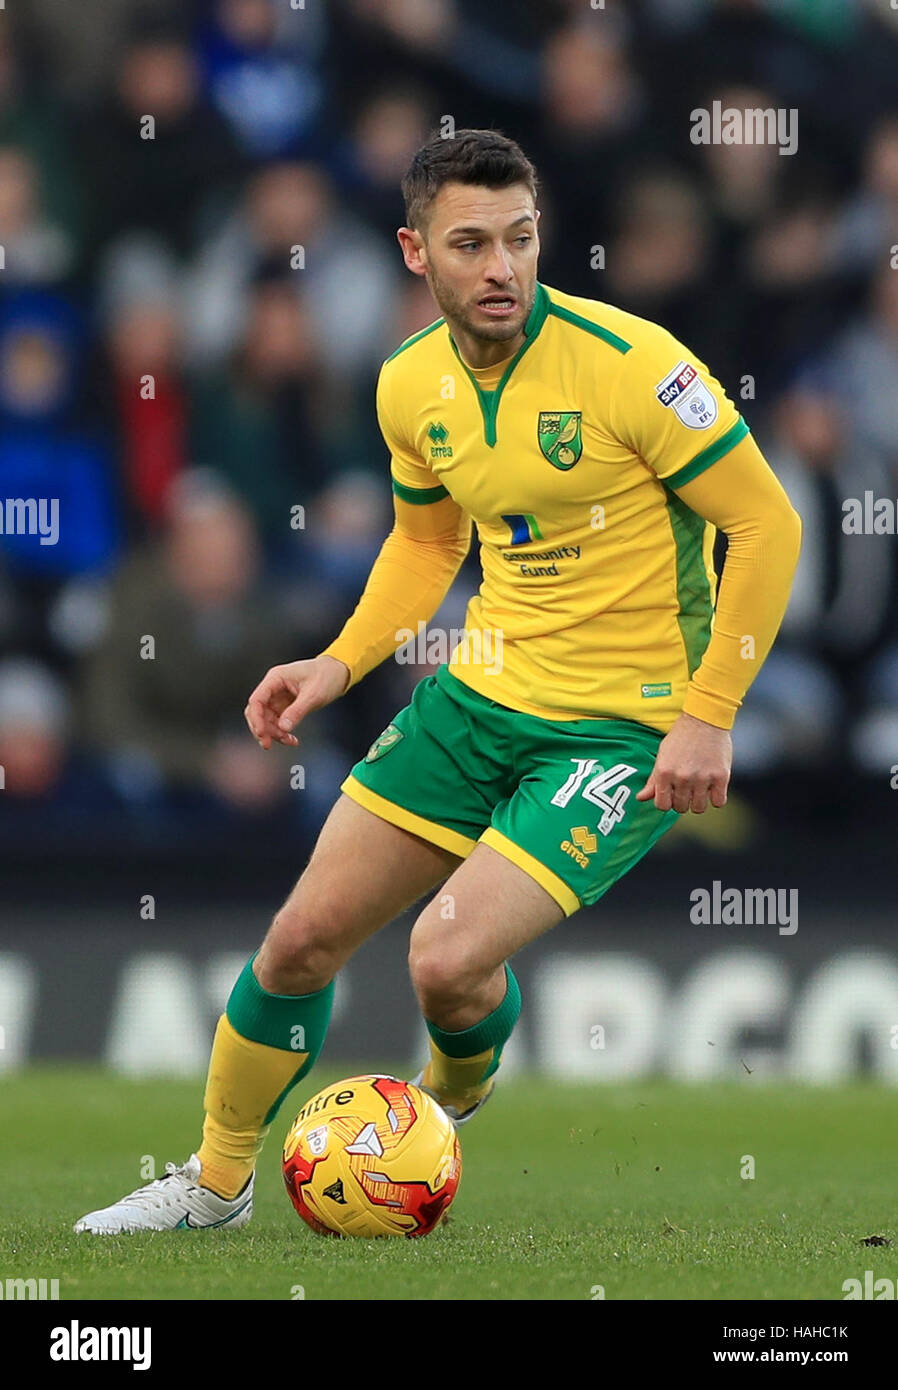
(598, 589)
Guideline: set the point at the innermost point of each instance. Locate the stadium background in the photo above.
(199, 395)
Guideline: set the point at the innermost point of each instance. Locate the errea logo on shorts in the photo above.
(692, 400)
(581, 844)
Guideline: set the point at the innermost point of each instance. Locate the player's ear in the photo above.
(413, 252)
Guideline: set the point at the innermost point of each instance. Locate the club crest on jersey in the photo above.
(692, 400)
(560, 439)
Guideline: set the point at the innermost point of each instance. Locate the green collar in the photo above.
(489, 400)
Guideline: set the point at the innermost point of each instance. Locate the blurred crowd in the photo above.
(199, 282)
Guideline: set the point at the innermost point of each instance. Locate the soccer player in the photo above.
(588, 704)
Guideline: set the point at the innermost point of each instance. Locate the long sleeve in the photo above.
(741, 495)
(408, 581)
(417, 562)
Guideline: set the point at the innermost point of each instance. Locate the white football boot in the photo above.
(458, 1117)
(173, 1203)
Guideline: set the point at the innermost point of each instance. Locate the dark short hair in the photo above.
(484, 157)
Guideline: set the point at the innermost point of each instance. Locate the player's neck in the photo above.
(479, 353)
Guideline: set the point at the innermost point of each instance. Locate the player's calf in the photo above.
(452, 989)
(464, 1060)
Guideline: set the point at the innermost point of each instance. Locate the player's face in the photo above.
(479, 252)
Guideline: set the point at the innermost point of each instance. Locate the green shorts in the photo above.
(556, 798)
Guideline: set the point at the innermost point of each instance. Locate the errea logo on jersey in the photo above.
(438, 434)
(692, 400)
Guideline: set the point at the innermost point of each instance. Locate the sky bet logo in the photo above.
(674, 385)
(693, 401)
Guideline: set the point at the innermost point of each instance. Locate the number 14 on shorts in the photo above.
(597, 789)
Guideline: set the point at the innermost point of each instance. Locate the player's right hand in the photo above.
(288, 693)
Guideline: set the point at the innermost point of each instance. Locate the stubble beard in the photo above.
(456, 313)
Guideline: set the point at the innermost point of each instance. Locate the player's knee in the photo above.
(442, 979)
(299, 954)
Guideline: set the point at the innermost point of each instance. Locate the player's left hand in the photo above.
(692, 767)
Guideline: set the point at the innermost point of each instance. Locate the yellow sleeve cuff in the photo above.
(713, 709)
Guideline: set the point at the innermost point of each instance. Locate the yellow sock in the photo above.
(246, 1080)
(457, 1080)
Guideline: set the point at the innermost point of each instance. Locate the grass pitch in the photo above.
(636, 1189)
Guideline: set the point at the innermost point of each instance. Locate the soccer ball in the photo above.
(372, 1156)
